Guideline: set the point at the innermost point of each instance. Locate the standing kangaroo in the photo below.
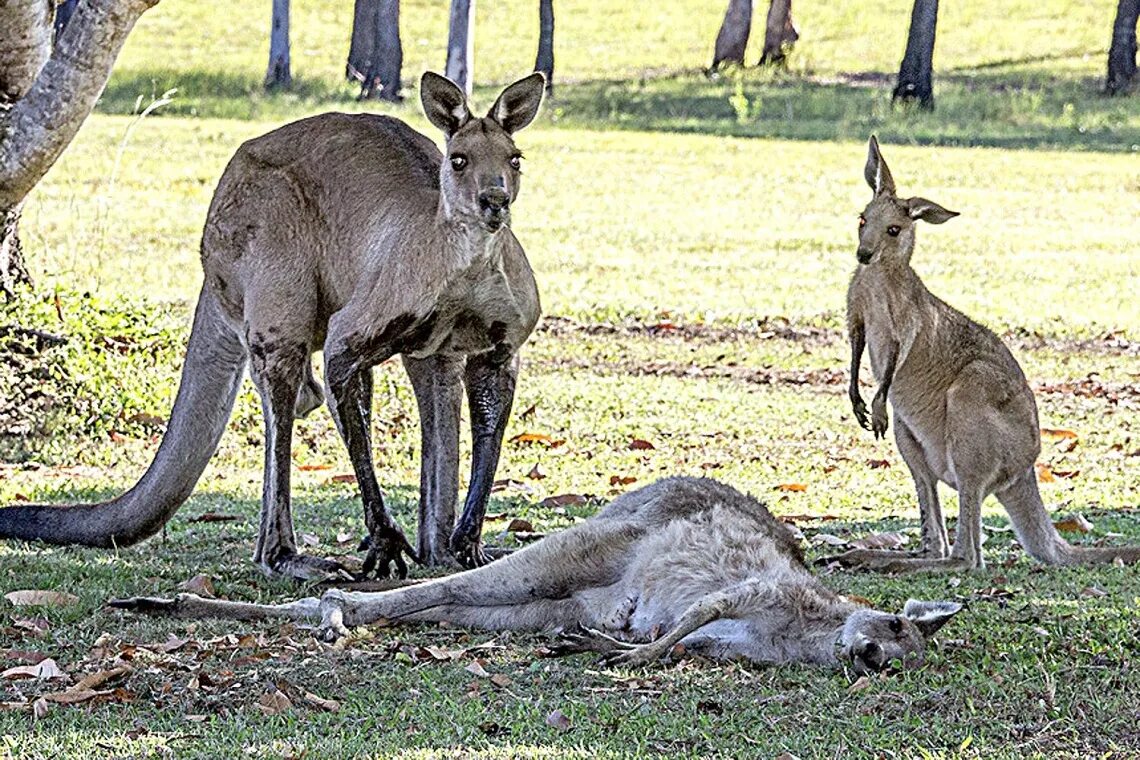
(349, 233)
(692, 557)
(964, 413)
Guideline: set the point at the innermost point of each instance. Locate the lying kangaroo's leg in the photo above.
(277, 365)
(438, 385)
(490, 379)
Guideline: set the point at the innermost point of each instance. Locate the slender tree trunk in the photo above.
(376, 56)
(916, 74)
(544, 61)
(45, 95)
(461, 44)
(278, 74)
(732, 40)
(1122, 52)
(779, 33)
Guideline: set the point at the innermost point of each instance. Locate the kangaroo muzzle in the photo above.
(495, 208)
(864, 255)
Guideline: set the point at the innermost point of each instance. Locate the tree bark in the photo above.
(1122, 52)
(916, 74)
(46, 94)
(779, 33)
(544, 61)
(376, 56)
(461, 44)
(278, 73)
(732, 40)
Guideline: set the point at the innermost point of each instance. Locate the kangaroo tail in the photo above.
(1035, 530)
(211, 375)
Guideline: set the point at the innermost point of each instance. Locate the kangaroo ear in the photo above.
(929, 211)
(444, 103)
(876, 173)
(518, 104)
(930, 616)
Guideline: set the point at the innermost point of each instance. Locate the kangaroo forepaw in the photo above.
(303, 568)
(860, 409)
(332, 627)
(879, 420)
(581, 639)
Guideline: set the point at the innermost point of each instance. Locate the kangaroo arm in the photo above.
(858, 338)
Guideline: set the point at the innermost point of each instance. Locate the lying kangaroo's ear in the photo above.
(930, 616)
(518, 104)
(444, 103)
(876, 173)
(929, 211)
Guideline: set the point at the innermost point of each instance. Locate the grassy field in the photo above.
(692, 239)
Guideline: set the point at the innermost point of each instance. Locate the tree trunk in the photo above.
(917, 71)
(544, 61)
(779, 33)
(732, 40)
(278, 73)
(376, 56)
(63, 13)
(45, 95)
(461, 44)
(1122, 52)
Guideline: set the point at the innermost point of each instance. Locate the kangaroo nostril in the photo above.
(494, 200)
(871, 654)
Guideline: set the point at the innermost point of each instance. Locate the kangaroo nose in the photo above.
(494, 200)
(864, 254)
(871, 655)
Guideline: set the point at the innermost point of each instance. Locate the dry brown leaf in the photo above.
(878, 464)
(829, 539)
(889, 540)
(274, 702)
(1075, 523)
(622, 480)
(95, 680)
(149, 420)
(808, 518)
(346, 477)
(443, 654)
(308, 539)
(519, 525)
(563, 500)
(536, 472)
(476, 668)
(797, 487)
(1057, 433)
(1066, 474)
(44, 669)
(528, 412)
(328, 705)
(28, 598)
(501, 680)
(640, 444)
(1044, 474)
(200, 584)
(558, 720)
(314, 467)
(532, 438)
(40, 708)
(208, 517)
(861, 683)
(75, 696)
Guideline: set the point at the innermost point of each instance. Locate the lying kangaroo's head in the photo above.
(886, 226)
(871, 640)
(479, 178)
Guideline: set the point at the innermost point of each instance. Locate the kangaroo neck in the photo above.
(467, 239)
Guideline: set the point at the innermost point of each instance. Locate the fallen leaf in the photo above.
(314, 467)
(890, 540)
(622, 480)
(202, 585)
(347, 477)
(1093, 591)
(75, 696)
(861, 683)
(1044, 474)
(149, 420)
(528, 412)
(1057, 433)
(558, 720)
(501, 680)
(640, 444)
(43, 670)
(29, 598)
(208, 517)
(328, 705)
(274, 702)
(519, 525)
(798, 487)
(563, 500)
(308, 539)
(95, 680)
(476, 669)
(40, 708)
(536, 472)
(829, 539)
(1075, 523)
(344, 538)
(1067, 474)
(878, 464)
(532, 438)
(808, 518)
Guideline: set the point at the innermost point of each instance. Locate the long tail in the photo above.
(1035, 530)
(211, 375)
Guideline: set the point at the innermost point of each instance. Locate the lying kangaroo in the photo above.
(691, 557)
(351, 233)
(964, 414)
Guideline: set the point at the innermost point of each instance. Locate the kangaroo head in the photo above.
(886, 226)
(871, 640)
(479, 178)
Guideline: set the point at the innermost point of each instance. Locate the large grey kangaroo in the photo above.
(351, 234)
(964, 413)
(705, 565)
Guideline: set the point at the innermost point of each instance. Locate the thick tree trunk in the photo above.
(732, 40)
(461, 44)
(46, 94)
(376, 56)
(916, 75)
(779, 33)
(1122, 52)
(544, 61)
(278, 74)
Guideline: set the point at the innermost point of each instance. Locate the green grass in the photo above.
(692, 238)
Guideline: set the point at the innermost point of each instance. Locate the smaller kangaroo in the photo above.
(964, 413)
(692, 557)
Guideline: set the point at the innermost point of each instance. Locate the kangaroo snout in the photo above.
(495, 203)
(864, 255)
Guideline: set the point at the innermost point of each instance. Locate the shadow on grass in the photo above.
(996, 106)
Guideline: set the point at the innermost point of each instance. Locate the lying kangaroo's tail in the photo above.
(211, 375)
(1035, 530)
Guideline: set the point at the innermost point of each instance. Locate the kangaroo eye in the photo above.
(896, 624)
(459, 162)
(862, 222)
(516, 162)
(894, 230)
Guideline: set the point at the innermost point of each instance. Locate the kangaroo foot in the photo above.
(301, 567)
(883, 561)
(467, 548)
(582, 639)
(385, 556)
(147, 605)
(866, 559)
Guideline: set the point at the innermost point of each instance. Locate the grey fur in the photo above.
(964, 413)
(349, 234)
(703, 564)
